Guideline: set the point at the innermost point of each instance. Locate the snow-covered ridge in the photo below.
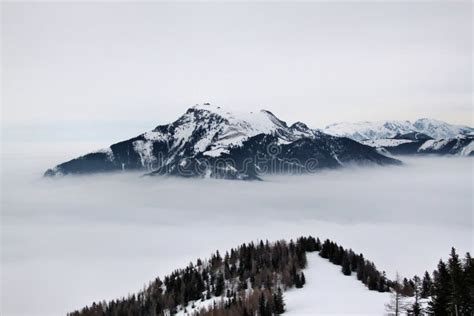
(221, 129)
(225, 128)
(388, 129)
(461, 145)
(262, 121)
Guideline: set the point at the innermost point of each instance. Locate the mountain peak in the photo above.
(255, 122)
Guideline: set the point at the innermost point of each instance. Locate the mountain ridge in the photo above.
(209, 141)
(371, 130)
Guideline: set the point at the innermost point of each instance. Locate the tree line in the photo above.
(260, 268)
(449, 290)
(251, 279)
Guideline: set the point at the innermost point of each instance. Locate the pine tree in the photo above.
(302, 279)
(219, 288)
(361, 268)
(208, 292)
(439, 304)
(297, 281)
(426, 285)
(262, 305)
(468, 271)
(278, 303)
(457, 285)
(325, 249)
(382, 282)
(346, 266)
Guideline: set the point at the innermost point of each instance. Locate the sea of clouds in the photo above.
(69, 241)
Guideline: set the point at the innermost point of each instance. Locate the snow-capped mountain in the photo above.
(362, 131)
(211, 141)
(409, 144)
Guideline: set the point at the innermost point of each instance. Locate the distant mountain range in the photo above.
(362, 131)
(424, 136)
(209, 141)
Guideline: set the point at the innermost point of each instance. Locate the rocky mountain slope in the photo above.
(462, 145)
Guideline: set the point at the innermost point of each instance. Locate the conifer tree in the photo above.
(457, 284)
(468, 271)
(439, 304)
(297, 281)
(426, 285)
(219, 288)
(302, 279)
(346, 266)
(262, 305)
(361, 268)
(278, 303)
(382, 282)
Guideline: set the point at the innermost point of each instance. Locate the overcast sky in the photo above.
(315, 62)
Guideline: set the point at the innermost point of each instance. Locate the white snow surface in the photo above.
(433, 144)
(466, 151)
(199, 305)
(388, 129)
(108, 152)
(254, 122)
(328, 292)
(385, 142)
(145, 151)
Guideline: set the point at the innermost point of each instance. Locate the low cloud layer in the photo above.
(72, 240)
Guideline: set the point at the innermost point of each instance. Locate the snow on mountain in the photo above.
(389, 129)
(462, 145)
(390, 142)
(232, 128)
(459, 146)
(209, 140)
(328, 291)
(321, 295)
(368, 130)
(439, 129)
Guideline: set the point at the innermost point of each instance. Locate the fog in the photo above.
(69, 241)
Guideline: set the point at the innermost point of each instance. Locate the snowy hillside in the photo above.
(306, 277)
(325, 289)
(389, 129)
(252, 280)
(328, 291)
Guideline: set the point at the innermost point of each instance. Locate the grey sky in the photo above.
(314, 62)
